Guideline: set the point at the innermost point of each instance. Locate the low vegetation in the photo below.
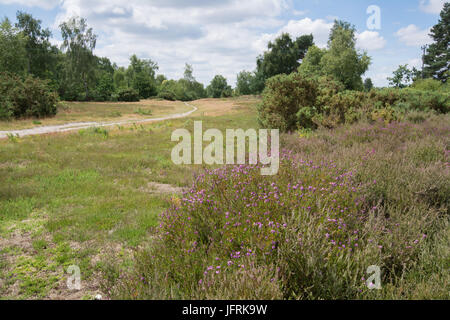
(346, 199)
(295, 101)
(364, 174)
(26, 98)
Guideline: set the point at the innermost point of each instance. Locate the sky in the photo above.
(225, 36)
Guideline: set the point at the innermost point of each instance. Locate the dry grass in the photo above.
(101, 112)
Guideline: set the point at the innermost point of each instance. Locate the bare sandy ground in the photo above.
(84, 125)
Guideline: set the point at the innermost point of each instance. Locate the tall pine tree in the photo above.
(437, 58)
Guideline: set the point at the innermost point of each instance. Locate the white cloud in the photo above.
(416, 63)
(319, 28)
(370, 40)
(299, 12)
(432, 6)
(215, 36)
(45, 4)
(413, 36)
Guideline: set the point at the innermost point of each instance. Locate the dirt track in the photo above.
(83, 125)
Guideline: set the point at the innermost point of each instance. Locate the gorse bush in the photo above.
(309, 232)
(287, 100)
(294, 101)
(30, 97)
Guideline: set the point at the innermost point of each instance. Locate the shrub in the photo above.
(291, 102)
(30, 97)
(128, 95)
(341, 108)
(427, 85)
(416, 99)
(288, 99)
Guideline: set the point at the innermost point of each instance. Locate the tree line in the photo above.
(77, 74)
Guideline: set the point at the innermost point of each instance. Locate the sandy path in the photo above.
(83, 125)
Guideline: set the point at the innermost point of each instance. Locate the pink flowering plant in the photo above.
(309, 232)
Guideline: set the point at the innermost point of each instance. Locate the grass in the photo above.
(100, 112)
(76, 198)
(88, 198)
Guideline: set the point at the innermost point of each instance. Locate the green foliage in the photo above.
(185, 89)
(127, 95)
(368, 84)
(13, 56)
(41, 55)
(31, 97)
(402, 77)
(298, 101)
(287, 100)
(219, 88)
(311, 63)
(249, 83)
(283, 55)
(141, 75)
(341, 60)
(160, 78)
(168, 90)
(105, 88)
(244, 82)
(120, 80)
(430, 85)
(438, 53)
(79, 42)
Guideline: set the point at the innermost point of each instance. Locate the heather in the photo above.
(343, 200)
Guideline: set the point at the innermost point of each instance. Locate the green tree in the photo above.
(284, 55)
(13, 55)
(141, 74)
(219, 88)
(120, 78)
(189, 73)
(437, 58)
(244, 82)
(105, 87)
(192, 90)
(368, 84)
(336, 30)
(258, 82)
(311, 64)
(160, 78)
(401, 77)
(41, 55)
(79, 42)
(341, 60)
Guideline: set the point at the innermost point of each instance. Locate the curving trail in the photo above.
(84, 125)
